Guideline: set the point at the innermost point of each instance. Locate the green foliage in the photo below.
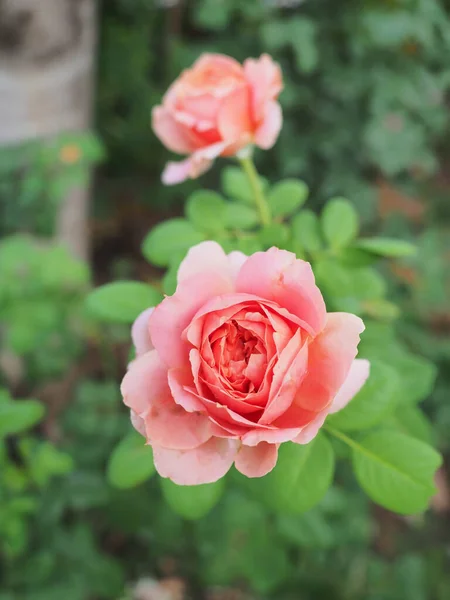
(121, 301)
(41, 297)
(300, 479)
(17, 416)
(169, 239)
(373, 403)
(192, 502)
(339, 223)
(286, 197)
(131, 463)
(396, 471)
(38, 176)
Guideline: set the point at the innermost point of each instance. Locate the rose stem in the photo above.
(261, 203)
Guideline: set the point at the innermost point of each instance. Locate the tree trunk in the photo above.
(46, 84)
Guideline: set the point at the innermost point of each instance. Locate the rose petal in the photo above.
(236, 259)
(256, 461)
(173, 134)
(173, 315)
(233, 118)
(330, 357)
(205, 464)
(266, 82)
(356, 378)
(178, 380)
(206, 256)
(167, 424)
(146, 377)
(309, 432)
(279, 276)
(272, 436)
(140, 333)
(138, 423)
(267, 133)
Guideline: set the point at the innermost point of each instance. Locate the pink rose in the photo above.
(216, 108)
(241, 358)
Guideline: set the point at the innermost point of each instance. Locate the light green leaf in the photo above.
(301, 477)
(306, 231)
(396, 471)
(168, 239)
(192, 502)
(388, 247)
(275, 234)
(376, 399)
(122, 301)
(236, 185)
(46, 461)
(240, 216)
(17, 416)
(206, 210)
(287, 196)
(306, 531)
(339, 222)
(131, 462)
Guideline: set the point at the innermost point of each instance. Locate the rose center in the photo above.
(238, 353)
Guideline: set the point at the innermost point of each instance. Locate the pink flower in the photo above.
(241, 358)
(216, 108)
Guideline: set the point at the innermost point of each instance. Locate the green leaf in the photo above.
(301, 477)
(131, 462)
(17, 416)
(303, 40)
(239, 216)
(396, 471)
(388, 247)
(417, 374)
(46, 461)
(236, 185)
(169, 239)
(206, 210)
(306, 531)
(287, 196)
(192, 502)
(122, 301)
(339, 223)
(412, 421)
(275, 234)
(376, 399)
(306, 231)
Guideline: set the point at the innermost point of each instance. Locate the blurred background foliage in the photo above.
(366, 116)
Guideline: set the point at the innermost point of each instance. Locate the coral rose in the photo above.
(216, 108)
(241, 358)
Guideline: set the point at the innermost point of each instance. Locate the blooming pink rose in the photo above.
(216, 108)
(241, 358)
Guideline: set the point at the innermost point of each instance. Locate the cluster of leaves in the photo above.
(386, 435)
(41, 304)
(36, 176)
(27, 466)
